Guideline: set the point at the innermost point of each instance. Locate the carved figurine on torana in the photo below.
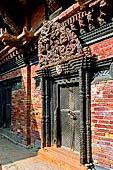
(105, 9)
(57, 43)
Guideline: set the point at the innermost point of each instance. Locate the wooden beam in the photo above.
(10, 23)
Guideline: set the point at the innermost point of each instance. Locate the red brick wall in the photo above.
(36, 108)
(103, 49)
(19, 104)
(26, 105)
(102, 123)
(26, 102)
(20, 109)
(102, 110)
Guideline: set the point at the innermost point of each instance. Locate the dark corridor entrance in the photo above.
(5, 120)
(70, 116)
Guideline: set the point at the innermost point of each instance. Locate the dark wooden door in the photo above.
(7, 108)
(70, 116)
(1, 113)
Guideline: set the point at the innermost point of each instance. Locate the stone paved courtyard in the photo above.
(15, 157)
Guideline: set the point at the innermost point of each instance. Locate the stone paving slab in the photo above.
(35, 163)
(10, 152)
(15, 157)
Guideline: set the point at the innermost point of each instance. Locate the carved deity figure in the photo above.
(90, 19)
(63, 36)
(82, 25)
(73, 27)
(105, 7)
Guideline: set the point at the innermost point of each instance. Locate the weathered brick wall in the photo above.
(18, 111)
(18, 103)
(102, 110)
(20, 107)
(36, 108)
(102, 123)
(103, 49)
(25, 105)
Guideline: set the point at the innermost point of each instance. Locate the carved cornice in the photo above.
(102, 70)
(10, 55)
(92, 24)
(71, 67)
(10, 82)
(98, 34)
(18, 57)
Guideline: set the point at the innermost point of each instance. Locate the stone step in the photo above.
(67, 153)
(66, 160)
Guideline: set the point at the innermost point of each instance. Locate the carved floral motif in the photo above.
(57, 43)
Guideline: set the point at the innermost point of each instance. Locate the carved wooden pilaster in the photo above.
(88, 119)
(51, 111)
(82, 118)
(56, 117)
(48, 126)
(43, 128)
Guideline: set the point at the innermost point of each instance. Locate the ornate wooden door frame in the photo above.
(82, 75)
(61, 56)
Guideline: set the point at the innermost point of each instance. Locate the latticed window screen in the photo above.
(70, 127)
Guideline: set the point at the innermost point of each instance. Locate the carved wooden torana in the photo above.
(57, 44)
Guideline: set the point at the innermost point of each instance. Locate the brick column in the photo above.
(27, 141)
